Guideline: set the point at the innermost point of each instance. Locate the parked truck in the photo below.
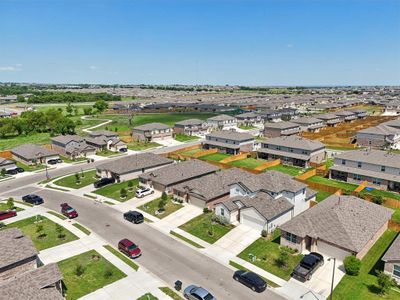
(307, 266)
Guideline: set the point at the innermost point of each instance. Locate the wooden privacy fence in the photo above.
(204, 152)
(232, 158)
(268, 164)
(307, 175)
(320, 186)
(393, 225)
(189, 148)
(6, 154)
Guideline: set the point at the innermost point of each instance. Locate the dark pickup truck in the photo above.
(307, 266)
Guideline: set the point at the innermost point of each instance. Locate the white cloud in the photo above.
(8, 68)
(18, 65)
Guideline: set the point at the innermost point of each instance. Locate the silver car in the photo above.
(193, 292)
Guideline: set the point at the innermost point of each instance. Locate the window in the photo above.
(343, 161)
(383, 168)
(396, 270)
(377, 181)
(222, 212)
(359, 164)
(291, 149)
(279, 147)
(291, 237)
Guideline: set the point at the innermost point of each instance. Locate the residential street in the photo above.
(167, 258)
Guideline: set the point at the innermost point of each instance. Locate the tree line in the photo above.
(69, 97)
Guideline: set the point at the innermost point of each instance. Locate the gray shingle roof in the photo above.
(65, 139)
(106, 133)
(32, 151)
(190, 122)
(344, 113)
(247, 115)
(179, 172)
(151, 126)
(5, 162)
(345, 221)
(294, 141)
(231, 135)
(307, 120)
(378, 157)
(134, 163)
(281, 125)
(326, 117)
(393, 253)
(380, 129)
(221, 118)
(15, 247)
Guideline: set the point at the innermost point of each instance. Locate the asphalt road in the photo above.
(165, 257)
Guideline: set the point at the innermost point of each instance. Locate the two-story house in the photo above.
(330, 120)
(381, 136)
(191, 127)
(293, 150)
(360, 113)
(380, 169)
(249, 119)
(230, 142)
(222, 122)
(105, 140)
(280, 129)
(72, 146)
(151, 131)
(309, 124)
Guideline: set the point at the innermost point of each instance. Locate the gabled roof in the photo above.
(65, 139)
(380, 129)
(105, 133)
(32, 151)
(151, 126)
(190, 122)
(5, 162)
(378, 157)
(231, 135)
(326, 117)
(281, 125)
(393, 253)
(345, 221)
(344, 113)
(294, 141)
(247, 115)
(222, 117)
(307, 120)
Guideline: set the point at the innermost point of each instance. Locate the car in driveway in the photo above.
(68, 211)
(33, 199)
(251, 280)
(134, 217)
(307, 266)
(103, 182)
(12, 172)
(123, 150)
(20, 170)
(7, 214)
(129, 248)
(194, 292)
(144, 191)
(52, 161)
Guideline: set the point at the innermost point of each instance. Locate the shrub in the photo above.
(10, 203)
(206, 210)
(108, 273)
(130, 185)
(352, 265)
(264, 233)
(385, 282)
(164, 196)
(60, 231)
(77, 177)
(79, 270)
(3, 172)
(123, 193)
(378, 200)
(2, 225)
(283, 258)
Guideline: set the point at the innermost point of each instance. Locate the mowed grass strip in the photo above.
(70, 181)
(60, 216)
(82, 228)
(171, 293)
(185, 138)
(113, 191)
(122, 257)
(215, 156)
(201, 227)
(152, 206)
(97, 273)
(181, 237)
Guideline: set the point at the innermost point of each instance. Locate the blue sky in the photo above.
(245, 42)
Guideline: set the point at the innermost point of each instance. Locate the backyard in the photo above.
(292, 171)
(364, 286)
(384, 194)
(250, 163)
(215, 156)
(47, 237)
(87, 272)
(335, 183)
(113, 191)
(201, 227)
(71, 181)
(191, 152)
(153, 206)
(322, 195)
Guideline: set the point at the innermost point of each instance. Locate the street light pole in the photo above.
(333, 275)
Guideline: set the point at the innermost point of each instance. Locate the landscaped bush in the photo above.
(289, 250)
(264, 233)
(385, 282)
(352, 265)
(219, 219)
(206, 210)
(283, 259)
(79, 270)
(378, 200)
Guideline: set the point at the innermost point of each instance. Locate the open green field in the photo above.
(335, 183)
(215, 156)
(185, 138)
(250, 163)
(97, 273)
(364, 286)
(203, 228)
(292, 171)
(11, 142)
(113, 191)
(152, 206)
(70, 181)
(48, 237)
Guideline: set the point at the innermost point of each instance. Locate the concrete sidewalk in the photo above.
(176, 219)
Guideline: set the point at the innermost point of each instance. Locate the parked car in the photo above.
(123, 150)
(12, 172)
(251, 280)
(193, 292)
(59, 161)
(307, 266)
(32, 199)
(134, 217)
(68, 211)
(7, 214)
(52, 161)
(143, 191)
(103, 181)
(20, 170)
(129, 248)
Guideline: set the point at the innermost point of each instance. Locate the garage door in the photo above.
(331, 251)
(251, 222)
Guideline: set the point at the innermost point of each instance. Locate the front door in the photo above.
(308, 243)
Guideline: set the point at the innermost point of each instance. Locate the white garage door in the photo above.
(252, 222)
(331, 251)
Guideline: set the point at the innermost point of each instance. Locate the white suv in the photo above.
(143, 191)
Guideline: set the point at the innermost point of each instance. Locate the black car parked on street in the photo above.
(32, 199)
(251, 280)
(134, 217)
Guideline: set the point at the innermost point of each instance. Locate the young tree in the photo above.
(77, 178)
(100, 106)
(10, 203)
(39, 230)
(378, 200)
(385, 282)
(60, 231)
(283, 259)
(87, 111)
(352, 265)
(69, 109)
(164, 196)
(130, 185)
(162, 203)
(79, 270)
(3, 172)
(123, 193)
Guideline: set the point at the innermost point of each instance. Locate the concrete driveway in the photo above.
(168, 142)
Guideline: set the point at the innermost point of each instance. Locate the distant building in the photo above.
(330, 120)
(72, 146)
(280, 129)
(105, 140)
(229, 142)
(346, 115)
(222, 122)
(381, 136)
(7, 164)
(309, 124)
(249, 119)
(151, 131)
(191, 127)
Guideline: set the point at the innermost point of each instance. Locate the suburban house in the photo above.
(191, 127)
(337, 227)
(163, 179)
(330, 120)
(265, 201)
(230, 142)
(276, 115)
(392, 107)
(292, 150)
(31, 154)
(208, 190)
(381, 169)
(18, 254)
(392, 260)
(222, 122)
(7, 164)
(72, 146)
(129, 167)
(360, 113)
(380, 136)
(309, 124)
(280, 129)
(346, 115)
(249, 119)
(151, 131)
(105, 140)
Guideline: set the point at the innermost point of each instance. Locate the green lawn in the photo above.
(11, 142)
(201, 227)
(98, 272)
(60, 216)
(364, 286)
(292, 171)
(107, 153)
(384, 194)
(246, 127)
(70, 181)
(113, 191)
(396, 215)
(322, 195)
(170, 293)
(191, 152)
(67, 160)
(250, 163)
(50, 236)
(122, 257)
(32, 168)
(266, 253)
(147, 296)
(185, 138)
(335, 183)
(152, 206)
(138, 146)
(3, 206)
(215, 156)
(81, 228)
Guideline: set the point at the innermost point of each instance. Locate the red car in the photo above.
(129, 248)
(7, 214)
(68, 211)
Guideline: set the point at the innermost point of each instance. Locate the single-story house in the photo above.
(330, 120)
(222, 122)
(7, 164)
(230, 142)
(190, 127)
(163, 179)
(337, 227)
(392, 260)
(280, 129)
(151, 131)
(309, 124)
(129, 167)
(72, 146)
(346, 115)
(31, 154)
(105, 140)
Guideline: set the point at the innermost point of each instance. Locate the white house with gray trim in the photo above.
(392, 260)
